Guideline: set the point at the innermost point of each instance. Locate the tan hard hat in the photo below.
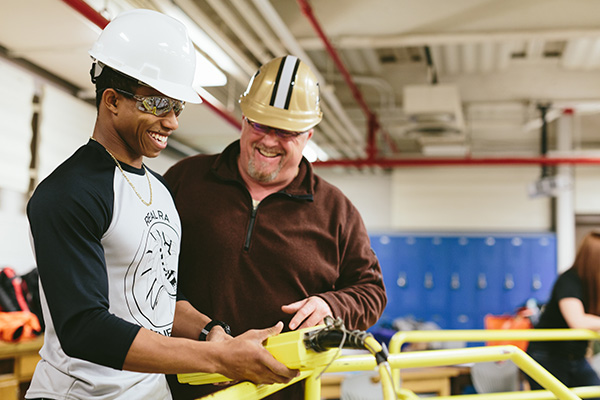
(284, 94)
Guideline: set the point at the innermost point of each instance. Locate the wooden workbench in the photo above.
(429, 380)
(419, 380)
(17, 363)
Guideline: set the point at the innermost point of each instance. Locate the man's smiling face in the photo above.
(268, 158)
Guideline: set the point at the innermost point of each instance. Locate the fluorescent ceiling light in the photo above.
(207, 74)
(313, 152)
(200, 38)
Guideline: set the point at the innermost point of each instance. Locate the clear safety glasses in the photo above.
(156, 105)
(281, 133)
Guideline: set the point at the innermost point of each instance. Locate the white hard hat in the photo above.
(153, 48)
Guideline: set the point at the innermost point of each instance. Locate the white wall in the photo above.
(16, 111)
(66, 123)
(489, 198)
(370, 193)
(587, 189)
(15, 249)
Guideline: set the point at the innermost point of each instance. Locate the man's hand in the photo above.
(245, 359)
(217, 334)
(311, 310)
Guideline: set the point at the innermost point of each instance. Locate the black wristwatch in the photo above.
(211, 325)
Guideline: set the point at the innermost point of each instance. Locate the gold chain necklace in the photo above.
(147, 203)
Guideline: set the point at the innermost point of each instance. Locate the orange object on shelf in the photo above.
(519, 321)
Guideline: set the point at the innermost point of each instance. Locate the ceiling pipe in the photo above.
(371, 161)
(274, 20)
(267, 38)
(95, 17)
(433, 78)
(242, 67)
(417, 40)
(307, 10)
(372, 121)
(423, 162)
(260, 29)
(257, 49)
(87, 11)
(226, 115)
(544, 136)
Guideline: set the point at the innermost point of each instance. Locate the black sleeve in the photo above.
(67, 220)
(569, 285)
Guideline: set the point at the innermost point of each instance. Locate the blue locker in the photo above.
(488, 267)
(386, 249)
(409, 276)
(517, 272)
(543, 267)
(435, 278)
(462, 284)
(454, 280)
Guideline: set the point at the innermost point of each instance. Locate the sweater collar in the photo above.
(226, 167)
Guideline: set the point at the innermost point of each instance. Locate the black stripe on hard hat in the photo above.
(284, 82)
(289, 96)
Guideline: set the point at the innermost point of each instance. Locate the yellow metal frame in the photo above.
(491, 335)
(430, 358)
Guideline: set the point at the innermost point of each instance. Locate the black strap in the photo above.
(212, 324)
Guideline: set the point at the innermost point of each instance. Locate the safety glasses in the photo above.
(156, 105)
(264, 129)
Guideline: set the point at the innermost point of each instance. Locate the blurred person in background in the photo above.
(575, 304)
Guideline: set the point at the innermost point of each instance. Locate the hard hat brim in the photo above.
(173, 90)
(280, 118)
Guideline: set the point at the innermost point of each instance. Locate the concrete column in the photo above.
(565, 202)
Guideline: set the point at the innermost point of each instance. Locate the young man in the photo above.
(264, 238)
(106, 236)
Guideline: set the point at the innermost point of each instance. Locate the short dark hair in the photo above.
(112, 79)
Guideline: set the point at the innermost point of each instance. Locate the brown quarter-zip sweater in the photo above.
(240, 264)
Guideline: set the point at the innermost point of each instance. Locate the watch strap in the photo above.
(205, 331)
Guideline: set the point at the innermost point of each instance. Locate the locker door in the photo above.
(543, 267)
(462, 285)
(386, 249)
(517, 273)
(409, 276)
(489, 267)
(435, 255)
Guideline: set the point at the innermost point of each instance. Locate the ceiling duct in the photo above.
(435, 118)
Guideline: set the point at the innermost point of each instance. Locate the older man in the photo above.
(264, 238)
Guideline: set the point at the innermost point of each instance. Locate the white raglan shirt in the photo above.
(107, 264)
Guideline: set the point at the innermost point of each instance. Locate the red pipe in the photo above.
(423, 162)
(229, 117)
(372, 161)
(87, 11)
(371, 145)
(95, 17)
(307, 10)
